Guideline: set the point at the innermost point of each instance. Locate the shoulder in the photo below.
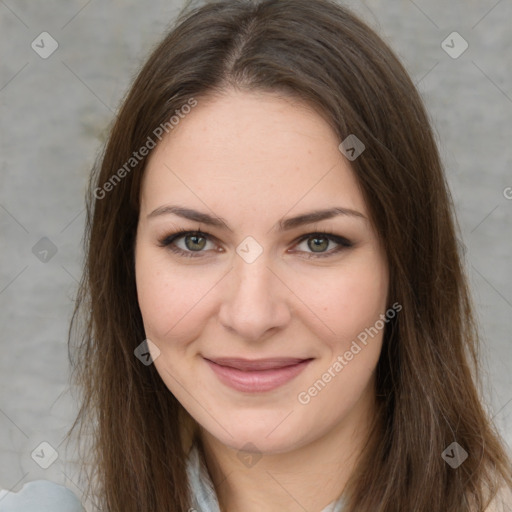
(40, 496)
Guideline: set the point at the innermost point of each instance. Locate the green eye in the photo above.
(319, 242)
(194, 241)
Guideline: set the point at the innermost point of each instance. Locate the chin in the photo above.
(260, 439)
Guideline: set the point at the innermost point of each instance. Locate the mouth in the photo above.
(257, 375)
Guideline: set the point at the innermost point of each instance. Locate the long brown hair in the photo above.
(428, 384)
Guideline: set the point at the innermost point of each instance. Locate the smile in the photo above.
(256, 376)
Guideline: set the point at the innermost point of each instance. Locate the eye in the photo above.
(318, 243)
(194, 244)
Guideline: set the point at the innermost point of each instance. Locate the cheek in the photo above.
(170, 298)
(351, 306)
(347, 300)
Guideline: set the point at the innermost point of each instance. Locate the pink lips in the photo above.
(256, 375)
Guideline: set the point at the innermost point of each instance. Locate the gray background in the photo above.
(54, 113)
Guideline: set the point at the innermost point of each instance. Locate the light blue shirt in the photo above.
(40, 496)
(204, 498)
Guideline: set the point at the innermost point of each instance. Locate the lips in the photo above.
(256, 375)
(248, 365)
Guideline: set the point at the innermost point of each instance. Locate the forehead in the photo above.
(250, 151)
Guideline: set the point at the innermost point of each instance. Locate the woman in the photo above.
(276, 317)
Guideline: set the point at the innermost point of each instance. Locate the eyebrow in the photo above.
(283, 224)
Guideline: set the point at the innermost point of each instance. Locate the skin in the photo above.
(253, 159)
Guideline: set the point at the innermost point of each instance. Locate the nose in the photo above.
(255, 301)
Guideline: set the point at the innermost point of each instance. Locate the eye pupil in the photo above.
(324, 242)
(195, 238)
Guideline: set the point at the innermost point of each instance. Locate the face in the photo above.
(257, 317)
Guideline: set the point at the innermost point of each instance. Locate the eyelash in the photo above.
(169, 240)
